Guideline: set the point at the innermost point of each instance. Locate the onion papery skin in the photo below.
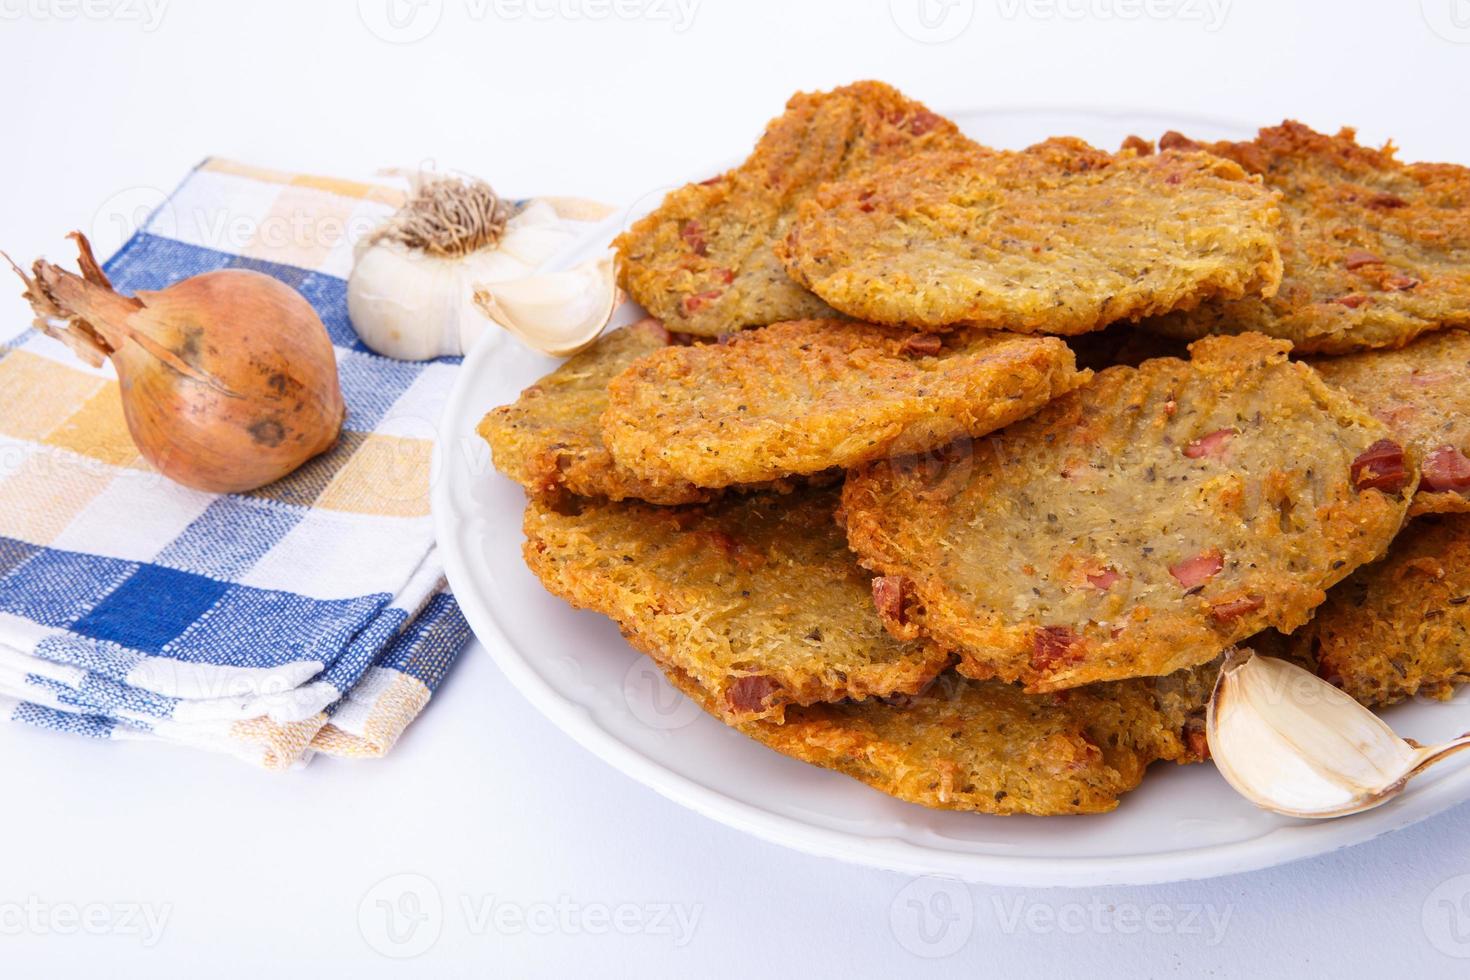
(267, 398)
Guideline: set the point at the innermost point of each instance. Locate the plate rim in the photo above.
(1281, 845)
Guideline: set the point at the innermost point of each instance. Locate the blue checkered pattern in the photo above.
(300, 618)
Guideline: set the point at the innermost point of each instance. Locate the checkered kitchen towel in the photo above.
(308, 616)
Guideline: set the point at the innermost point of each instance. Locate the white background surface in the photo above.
(483, 798)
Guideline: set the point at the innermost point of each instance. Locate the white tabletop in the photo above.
(523, 855)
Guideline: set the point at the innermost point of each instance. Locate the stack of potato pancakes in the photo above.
(958, 470)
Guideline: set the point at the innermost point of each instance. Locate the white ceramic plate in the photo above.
(1183, 823)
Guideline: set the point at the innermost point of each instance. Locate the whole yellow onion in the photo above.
(228, 378)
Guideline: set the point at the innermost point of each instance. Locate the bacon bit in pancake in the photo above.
(697, 302)
(922, 345)
(1381, 467)
(1087, 754)
(1387, 201)
(1357, 258)
(693, 235)
(1352, 301)
(1173, 140)
(1211, 446)
(723, 542)
(889, 592)
(1053, 647)
(922, 122)
(749, 694)
(1138, 145)
(1446, 469)
(1401, 283)
(725, 276)
(1104, 579)
(1199, 744)
(1230, 611)
(1194, 572)
(733, 549)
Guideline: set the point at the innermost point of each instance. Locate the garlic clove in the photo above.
(1292, 743)
(558, 313)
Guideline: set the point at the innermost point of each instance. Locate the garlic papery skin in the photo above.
(1292, 743)
(411, 292)
(413, 306)
(558, 313)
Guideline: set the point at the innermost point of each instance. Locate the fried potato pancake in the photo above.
(1422, 393)
(703, 262)
(756, 597)
(1376, 252)
(803, 397)
(1059, 238)
(1139, 525)
(550, 439)
(1399, 628)
(988, 747)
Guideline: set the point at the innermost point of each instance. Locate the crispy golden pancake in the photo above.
(1422, 393)
(988, 747)
(1060, 238)
(550, 440)
(1376, 251)
(803, 397)
(703, 262)
(757, 597)
(1399, 628)
(1139, 525)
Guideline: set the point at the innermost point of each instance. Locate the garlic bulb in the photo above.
(1292, 743)
(411, 292)
(560, 313)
